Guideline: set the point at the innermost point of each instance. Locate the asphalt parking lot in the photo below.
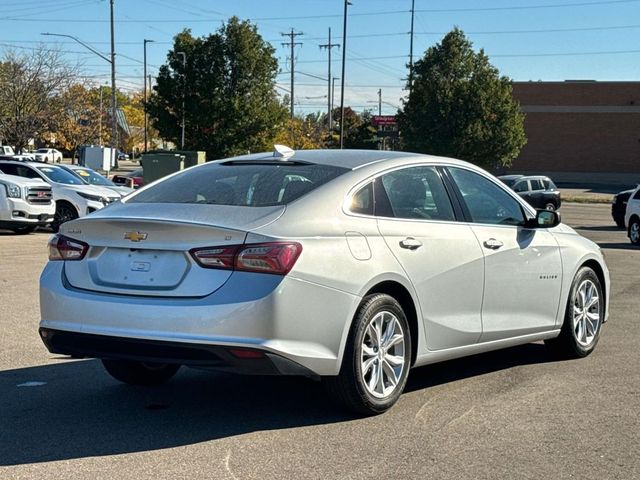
(511, 414)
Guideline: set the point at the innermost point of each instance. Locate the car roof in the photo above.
(523, 177)
(351, 159)
(510, 177)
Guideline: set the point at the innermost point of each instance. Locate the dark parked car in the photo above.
(539, 192)
(132, 179)
(619, 206)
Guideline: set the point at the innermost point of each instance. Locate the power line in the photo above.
(293, 44)
(328, 46)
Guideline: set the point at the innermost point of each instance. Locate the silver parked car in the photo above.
(349, 266)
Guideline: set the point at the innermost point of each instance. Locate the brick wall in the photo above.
(580, 127)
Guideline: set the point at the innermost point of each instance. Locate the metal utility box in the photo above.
(158, 165)
(192, 157)
(97, 157)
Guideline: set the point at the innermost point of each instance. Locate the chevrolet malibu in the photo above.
(347, 266)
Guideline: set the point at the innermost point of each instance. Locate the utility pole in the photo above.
(379, 101)
(184, 87)
(329, 46)
(114, 105)
(144, 79)
(344, 51)
(413, 11)
(100, 119)
(292, 43)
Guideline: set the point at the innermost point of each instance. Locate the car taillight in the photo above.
(215, 257)
(65, 248)
(275, 257)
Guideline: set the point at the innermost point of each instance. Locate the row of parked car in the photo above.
(38, 194)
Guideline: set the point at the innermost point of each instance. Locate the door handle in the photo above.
(493, 244)
(410, 243)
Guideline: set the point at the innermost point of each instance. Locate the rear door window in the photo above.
(251, 184)
(536, 184)
(417, 193)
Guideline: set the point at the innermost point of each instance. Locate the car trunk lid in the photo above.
(145, 254)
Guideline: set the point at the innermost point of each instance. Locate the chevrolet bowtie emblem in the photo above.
(135, 236)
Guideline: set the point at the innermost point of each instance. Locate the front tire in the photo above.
(376, 360)
(583, 317)
(64, 213)
(27, 229)
(138, 373)
(550, 206)
(634, 231)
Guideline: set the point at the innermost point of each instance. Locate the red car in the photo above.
(132, 179)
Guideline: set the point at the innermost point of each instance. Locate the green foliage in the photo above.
(229, 92)
(358, 130)
(461, 107)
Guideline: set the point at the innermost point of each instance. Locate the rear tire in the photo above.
(550, 206)
(138, 373)
(583, 317)
(634, 231)
(376, 360)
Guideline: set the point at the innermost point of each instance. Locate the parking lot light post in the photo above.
(111, 61)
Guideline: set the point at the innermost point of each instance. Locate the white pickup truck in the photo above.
(25, 203)
(7, 150)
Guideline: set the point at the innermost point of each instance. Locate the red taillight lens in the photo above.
(276, 257)
(65, 248)
(215, 257)
(246, 354)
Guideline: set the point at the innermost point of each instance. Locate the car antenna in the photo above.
(282, 152)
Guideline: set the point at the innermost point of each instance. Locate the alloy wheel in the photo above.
(634, 232)
(383, 351)
(586, 313)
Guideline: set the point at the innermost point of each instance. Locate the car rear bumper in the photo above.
(255, 362)
(301, 321)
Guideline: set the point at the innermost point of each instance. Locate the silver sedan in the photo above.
(347, 266)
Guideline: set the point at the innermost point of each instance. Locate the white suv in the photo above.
(632, 217)
(24, 203)
(73, 197)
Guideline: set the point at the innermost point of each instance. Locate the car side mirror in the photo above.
(545, 219)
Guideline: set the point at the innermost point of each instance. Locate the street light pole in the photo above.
(114, 105)
(144, 79)
(379, 101)
(112, 61)
(184, 84)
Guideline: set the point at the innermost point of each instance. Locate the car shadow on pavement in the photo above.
(618, 245)
(476, 365)
(74, 410)
(599, 228)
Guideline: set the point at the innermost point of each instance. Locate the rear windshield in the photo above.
(251, 185)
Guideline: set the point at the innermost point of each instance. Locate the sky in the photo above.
(527, 40)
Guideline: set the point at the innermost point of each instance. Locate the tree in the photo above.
(461, 107)
(358, 129)
(29, 84)
(78, 118)
(302, 133)
(228, 84)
